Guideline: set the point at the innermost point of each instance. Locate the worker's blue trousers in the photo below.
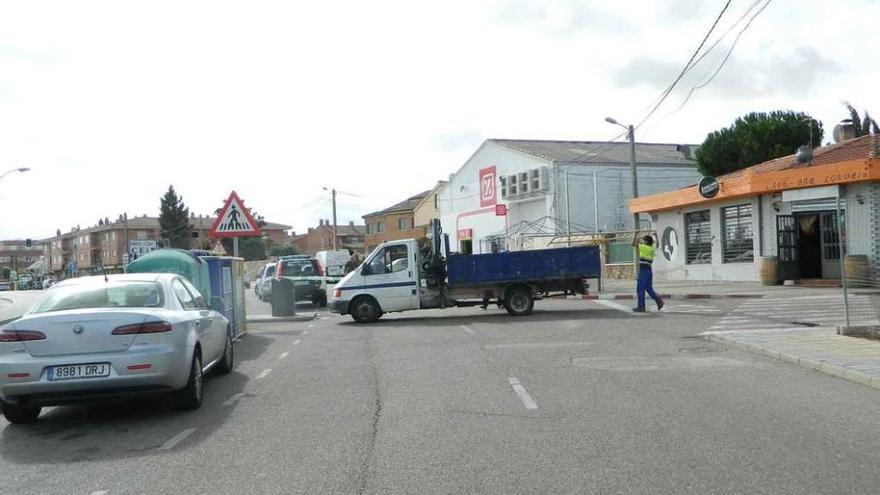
(646, 284)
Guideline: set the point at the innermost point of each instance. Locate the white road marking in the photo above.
(311, 325)
(232, 400)
(264, 373)
(100, 492)
(296, 342)
(284, 355)
(527, 345)
(467, 329)
(305, 332)
(176, 439)
(617, 306)
(521, 392)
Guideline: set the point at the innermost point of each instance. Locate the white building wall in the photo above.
(460, 202)
(676, 268)
(859, 234)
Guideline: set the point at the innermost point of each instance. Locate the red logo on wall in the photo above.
(465, 234)
(500, 210)
(488, 196)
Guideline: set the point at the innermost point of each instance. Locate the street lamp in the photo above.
(19, 169)
(630, 133)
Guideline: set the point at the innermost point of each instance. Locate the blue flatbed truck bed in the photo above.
(544, 266)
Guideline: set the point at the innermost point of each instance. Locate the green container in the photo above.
(177, 261)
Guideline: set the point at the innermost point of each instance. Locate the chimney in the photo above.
(844, 131)
(311, 230)
(804, 155)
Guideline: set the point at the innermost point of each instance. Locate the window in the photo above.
(503, 187)
(738, 243)
(380, 227)
(195, 234)
(186, 299)
(523, 182)
(511, 186)
(536, 179)
(102, 295)
(197, 296)
(405, 223)
(436, 201)
(390, 260)
(698, 237)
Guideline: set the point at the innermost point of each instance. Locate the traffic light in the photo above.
(28, 243)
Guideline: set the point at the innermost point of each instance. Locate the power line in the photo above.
(727, 55)
(687, 66)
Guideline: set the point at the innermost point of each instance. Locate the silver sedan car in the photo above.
(97, 338)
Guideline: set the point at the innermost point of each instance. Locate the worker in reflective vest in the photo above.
(645, 279)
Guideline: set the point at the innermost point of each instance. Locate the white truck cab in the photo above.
(387, 281)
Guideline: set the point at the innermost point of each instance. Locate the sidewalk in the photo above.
(819, 349)
(625, 289)
(281, 319)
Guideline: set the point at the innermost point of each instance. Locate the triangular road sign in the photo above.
(235, 220)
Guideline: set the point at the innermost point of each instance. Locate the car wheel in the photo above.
(519, 302)
(190, 396)
(323, 300)
(15, 413)
(227, 362)
(365, 310)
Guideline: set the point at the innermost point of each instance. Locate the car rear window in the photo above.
(101, 295)
(299, 268)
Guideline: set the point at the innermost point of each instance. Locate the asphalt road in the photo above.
(578, 398)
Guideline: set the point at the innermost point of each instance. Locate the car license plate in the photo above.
(301, 282)
(74, 371)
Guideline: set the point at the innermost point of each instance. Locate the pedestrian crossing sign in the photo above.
(235, 220)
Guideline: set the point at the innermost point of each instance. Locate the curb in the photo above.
(594, 297)
(849, 374)
(281, 319)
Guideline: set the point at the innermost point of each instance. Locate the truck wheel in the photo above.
(519, 302)
(365, 310)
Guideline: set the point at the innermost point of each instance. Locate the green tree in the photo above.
(755, 138)
(863, 126)
(174, 220)
(282, 250)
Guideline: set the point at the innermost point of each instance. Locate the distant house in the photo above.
(320, 238)
(394, 222)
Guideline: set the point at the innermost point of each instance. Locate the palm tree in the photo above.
(862, 126)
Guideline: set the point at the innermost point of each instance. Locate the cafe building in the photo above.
(808, 216)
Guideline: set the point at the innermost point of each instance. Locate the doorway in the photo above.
(467, 246)
(815, 243)
(809, 246)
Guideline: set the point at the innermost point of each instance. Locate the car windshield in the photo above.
(270, 271)
(101, 295)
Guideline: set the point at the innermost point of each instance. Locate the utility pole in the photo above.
(334, 219)
(595, 204)
(567, 208)
(633, 172)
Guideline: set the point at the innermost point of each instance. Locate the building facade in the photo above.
(548, 187)
(394, 223)
(110, 244)
(320, 238)
(16, 256)
(429, 207)
(787, 212)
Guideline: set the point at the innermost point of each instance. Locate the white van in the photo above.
(333, 263)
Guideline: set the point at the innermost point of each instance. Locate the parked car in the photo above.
(307, 276)
(97, 338)
(263, 285)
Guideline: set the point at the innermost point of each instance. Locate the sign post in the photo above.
(235, 221)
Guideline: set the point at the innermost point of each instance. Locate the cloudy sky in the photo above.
(110, 102)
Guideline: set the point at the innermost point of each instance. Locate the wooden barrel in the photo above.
(857, 269)
(768, 269)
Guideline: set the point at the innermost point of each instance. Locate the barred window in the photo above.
(736, 224)
(698, 237)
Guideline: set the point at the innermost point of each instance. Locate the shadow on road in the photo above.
(495, 317)
(129, 428)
